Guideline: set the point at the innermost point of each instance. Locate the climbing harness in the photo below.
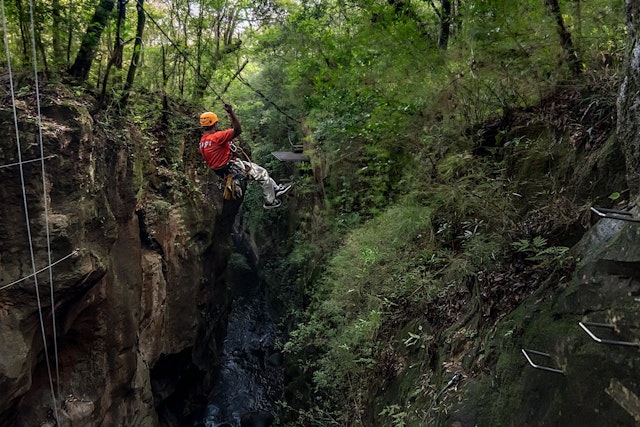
(232, 174)
(232, 188)
(232, 178)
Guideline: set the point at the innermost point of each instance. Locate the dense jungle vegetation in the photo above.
(453, 146)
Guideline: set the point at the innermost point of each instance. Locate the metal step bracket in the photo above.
(615, 214)
(539, 353)
(584, 325)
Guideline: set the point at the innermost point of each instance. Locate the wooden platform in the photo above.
(288, 156)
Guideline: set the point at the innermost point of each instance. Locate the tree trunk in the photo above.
(118, 46)
(71, 12)
(199, 86)
(570, 53)
(24, 31)
(91, 40)
(58, 35)
(40, 47)
(445, 24)
(578, 14)
(165, 100)
(629, 101)
(135, 58)
(119, 43)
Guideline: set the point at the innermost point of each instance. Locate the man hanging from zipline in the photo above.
(220, 154)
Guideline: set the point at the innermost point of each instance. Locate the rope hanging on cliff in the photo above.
(24, 197)
(39, 271)
(27, 161)
(45, 200)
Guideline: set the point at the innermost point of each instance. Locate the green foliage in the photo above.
(160, 208)
(536, 249)
(454, 166)
(395, 414)
(614, 196)
(414, 339)
(238, 261)
(398, 204)
(376, 265)
(389, 267)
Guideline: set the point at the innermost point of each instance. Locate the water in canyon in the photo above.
(250, 381)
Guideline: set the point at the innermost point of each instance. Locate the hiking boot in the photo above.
(282, 189)
(276, 204)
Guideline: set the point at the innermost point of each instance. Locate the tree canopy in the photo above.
(395, 51)
(406, 108)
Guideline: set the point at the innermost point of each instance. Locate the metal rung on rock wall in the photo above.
(544, 368)
(615, 214)
(584, 325)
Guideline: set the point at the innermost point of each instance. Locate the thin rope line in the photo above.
(184, 55)
(206, 82)
(28, 161)
(24, 199)
(33, 262)
(39, 271)
(263, 96)
(46, 214)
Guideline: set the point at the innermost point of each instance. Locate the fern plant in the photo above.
(536, 249)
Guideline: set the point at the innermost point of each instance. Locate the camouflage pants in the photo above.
(258, 174)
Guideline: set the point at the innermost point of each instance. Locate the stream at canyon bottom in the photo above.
(250, 381)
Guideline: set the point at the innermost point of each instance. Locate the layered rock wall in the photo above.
(137, 283)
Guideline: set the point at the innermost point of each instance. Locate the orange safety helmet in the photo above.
(208, 119)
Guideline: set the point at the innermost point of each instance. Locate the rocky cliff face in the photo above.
(138, 296)
(590, 383)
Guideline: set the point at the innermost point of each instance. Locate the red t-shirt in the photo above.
(215, 148)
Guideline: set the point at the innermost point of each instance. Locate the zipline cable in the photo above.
(263, 96)
(45, 202)
(180, 51)
(236, 75)
(184, 55)
(26, 211)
